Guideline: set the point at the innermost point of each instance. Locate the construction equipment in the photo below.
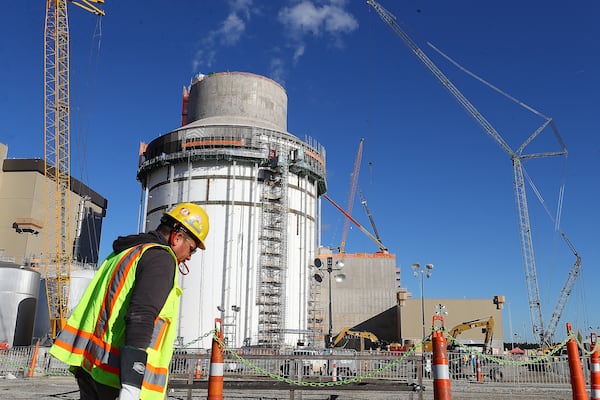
(351, 195)
(382, 248)
(364, 203)
(347, 333)
(544, 336)
(57, 159)
(487, 327)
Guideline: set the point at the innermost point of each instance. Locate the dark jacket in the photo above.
(153, 282)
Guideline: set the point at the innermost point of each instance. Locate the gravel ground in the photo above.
(52, 388)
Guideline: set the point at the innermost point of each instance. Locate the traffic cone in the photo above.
(577, 380)
(595, 368)
(215, 378)
(478, 366)
(334, 373)
(441, 374)
(31, 371)
(198, 370)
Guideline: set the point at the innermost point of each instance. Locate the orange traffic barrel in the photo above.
(595, 368)
(441, 374)
(577, 380)
(215, 378)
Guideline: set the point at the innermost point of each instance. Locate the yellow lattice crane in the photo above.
(57, 159)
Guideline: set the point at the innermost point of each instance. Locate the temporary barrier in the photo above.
(595, 368)
(334, 373)
(31, 371)
(441, 375)
(215, 379)
(577, 380)
(198, 370)
(478, 367)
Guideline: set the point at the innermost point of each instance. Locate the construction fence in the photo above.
(310, 367)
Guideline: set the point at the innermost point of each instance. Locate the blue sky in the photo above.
(439, 189)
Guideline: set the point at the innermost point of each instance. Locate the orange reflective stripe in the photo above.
(116, 283)
(155, 378)
(72, 339)
(160, 327)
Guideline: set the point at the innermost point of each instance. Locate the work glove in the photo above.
(133, 366)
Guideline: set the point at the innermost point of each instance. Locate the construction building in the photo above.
(362, 285)
(260, 187)
(22, 230)
(21, 221)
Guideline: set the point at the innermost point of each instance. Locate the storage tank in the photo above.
(19, 287)
(259, 185)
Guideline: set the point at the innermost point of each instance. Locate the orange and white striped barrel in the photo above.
(595, 368)
(441, 373)
(577, 379)
(478, 366)
(215, 378)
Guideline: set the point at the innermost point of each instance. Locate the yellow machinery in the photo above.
(346, 333)
(486, 325)
(57, 160)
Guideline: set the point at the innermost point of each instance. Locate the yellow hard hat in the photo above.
(194, 220)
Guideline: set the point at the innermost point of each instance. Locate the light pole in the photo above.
(418, 272)
(338, 278)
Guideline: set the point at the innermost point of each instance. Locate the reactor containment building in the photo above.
(260, 187)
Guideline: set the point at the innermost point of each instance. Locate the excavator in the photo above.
(347, 333)
(487, 327)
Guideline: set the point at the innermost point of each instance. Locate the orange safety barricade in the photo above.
(215, 378)
(31, 371)
(441, 373)
(198, 370)
(595, 368)
(478, 366)
(577, 380)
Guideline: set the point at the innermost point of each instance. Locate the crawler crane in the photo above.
(545, 336)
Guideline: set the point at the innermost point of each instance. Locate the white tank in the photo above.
(19, 287)
(259, 185)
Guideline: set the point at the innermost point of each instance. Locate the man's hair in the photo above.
(166, 226)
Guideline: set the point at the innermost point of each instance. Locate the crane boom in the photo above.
(57, 158)
(519, 184)
(351, 195)
(363, 201)
(355, 222)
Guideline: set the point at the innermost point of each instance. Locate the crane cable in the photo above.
(81, 140)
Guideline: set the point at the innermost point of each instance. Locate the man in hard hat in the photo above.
(119, 338)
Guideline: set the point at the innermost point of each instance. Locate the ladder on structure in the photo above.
(315, 314)
(273, 249)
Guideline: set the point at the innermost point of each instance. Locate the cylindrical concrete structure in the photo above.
(253, 99)
(19, 287)
(259, 185)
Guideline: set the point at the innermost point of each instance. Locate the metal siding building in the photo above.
(368, 288)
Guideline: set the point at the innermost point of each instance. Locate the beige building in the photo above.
(470, 317)
(22, 217)
(362, 285)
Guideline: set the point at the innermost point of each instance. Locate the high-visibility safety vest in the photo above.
(95, 331)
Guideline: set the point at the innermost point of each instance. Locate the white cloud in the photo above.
(232, 29)
(308, 18)
(229, 33)
(328, 20)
